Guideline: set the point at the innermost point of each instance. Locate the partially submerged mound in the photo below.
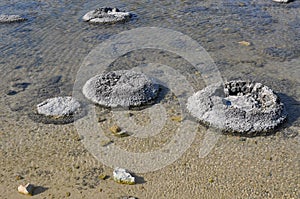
(106, 15)
(238, 106)
(11, 18)
(58, 106)
(120, 88)
(58, 110)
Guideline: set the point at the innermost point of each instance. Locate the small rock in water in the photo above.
(27, 189)
(120, 88)
(282, 1)
(106, 15)
(58, 106)
(238, 106)
(11, 18)
(244, 43)
(122, 176)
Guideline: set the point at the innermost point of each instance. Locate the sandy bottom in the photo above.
(55, 158)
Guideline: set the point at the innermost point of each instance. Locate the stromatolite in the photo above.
(11, 18)
(58, 107)
(120, 88)
(106, 15)
(238, 106)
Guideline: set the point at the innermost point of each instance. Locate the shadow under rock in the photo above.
(39, 189)
(292, 107)
(138, 179)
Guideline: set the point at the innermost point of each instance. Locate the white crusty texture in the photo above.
(282, 1)
(58, 106)
(106, 15)
(122, 176)
(11, 18)
(238, 106)
(120, 88)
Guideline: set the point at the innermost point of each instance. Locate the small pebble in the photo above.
(244, 43)
(26, 190)
(123, 177)
(115, 129)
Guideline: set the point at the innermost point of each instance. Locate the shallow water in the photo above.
(41, 56)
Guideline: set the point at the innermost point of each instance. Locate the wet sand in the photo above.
(40, 59)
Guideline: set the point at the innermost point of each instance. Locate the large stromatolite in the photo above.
(120, 88)
(238, 106)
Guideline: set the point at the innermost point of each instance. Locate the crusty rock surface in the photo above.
(106, 15)
(58, 106)
(238, 106)
(282, 1)
(11, 18)
(120, 88)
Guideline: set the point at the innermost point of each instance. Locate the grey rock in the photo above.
(106, 15)
(120, 88)
(58, 106)
(238, 106)
(11, 18)
(122, 176)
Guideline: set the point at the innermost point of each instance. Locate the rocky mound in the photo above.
(106, 15)
(238, 106)
(120, 88)
(11, 18)
(58, 110)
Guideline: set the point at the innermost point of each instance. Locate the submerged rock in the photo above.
(58, 110)
(282, 1)
(11, 18)
(120, 88)
(106, 15)
(122, 176)
(58, 106)
(238, 106)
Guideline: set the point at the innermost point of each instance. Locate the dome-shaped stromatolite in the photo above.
(58, 107)
(11, 18)
(238, 106)
(120, 88)
(106, 15)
